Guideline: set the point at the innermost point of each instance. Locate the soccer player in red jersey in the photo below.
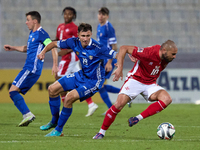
(141, 80)
(69, 62)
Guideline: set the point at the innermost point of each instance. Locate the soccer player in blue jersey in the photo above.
(27, 77)
(81, 84)
(106, 36)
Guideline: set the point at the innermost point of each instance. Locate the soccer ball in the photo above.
(166, 131)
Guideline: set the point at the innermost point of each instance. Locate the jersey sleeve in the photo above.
(44, 38)
(107, 53)
(65, 44)
(111, 35)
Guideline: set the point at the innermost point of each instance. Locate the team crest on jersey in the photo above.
(77, 53)
(140, 49)
(33, 39)
(90, 57)
(67, 30)
(100, 34)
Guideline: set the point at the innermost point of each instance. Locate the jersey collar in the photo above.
(90, 42)
(39, 28)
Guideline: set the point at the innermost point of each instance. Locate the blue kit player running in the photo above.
(38, 39)
(106, 36)
(82, 84)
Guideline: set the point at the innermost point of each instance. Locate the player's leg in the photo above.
(66, 112)
(162, 99)
(54, 102)
(22, 83)
(111, 89)
(82, 90)
(92, 107)
(105, 97)
(111, 114)
(129, 90)
(103, 91)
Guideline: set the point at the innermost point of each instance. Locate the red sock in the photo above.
(109, 117)
(153, 109)
(89, 100)
(63, 98)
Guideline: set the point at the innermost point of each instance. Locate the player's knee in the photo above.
(51, 91)
(70, 99)
(167, 100)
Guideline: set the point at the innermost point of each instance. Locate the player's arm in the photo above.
(122, 53)
(55, 62)
(108, 66)
(47, 48)
(64, 52)
(120, 61)
(15, 48)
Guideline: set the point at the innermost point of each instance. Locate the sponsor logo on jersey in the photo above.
(140, 49)
(83, 53)
(151, 63)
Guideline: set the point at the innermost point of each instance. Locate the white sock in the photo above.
(91, 105)
(139, 117)
(102, 131)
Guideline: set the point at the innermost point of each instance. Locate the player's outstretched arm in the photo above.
(120, 61)
(15, 48)
(122, 53)
(46, 49)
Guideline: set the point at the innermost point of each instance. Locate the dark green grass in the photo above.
(79, 130)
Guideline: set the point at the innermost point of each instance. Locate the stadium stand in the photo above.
(137, 22)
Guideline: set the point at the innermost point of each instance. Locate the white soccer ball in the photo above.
(166, 131)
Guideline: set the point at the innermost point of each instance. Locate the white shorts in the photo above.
(71, 68)
(133, 88)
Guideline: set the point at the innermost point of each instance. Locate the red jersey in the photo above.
(65, 31)
(148, 66)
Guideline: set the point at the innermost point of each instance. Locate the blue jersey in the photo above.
(91, 58)
(36, 42)
(106, 34)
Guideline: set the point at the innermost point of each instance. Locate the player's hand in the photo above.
(108, 67)
(118, 73)
(133, 59)
(55, 71)
(8, 48)
(41, 56)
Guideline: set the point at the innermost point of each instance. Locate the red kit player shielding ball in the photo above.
(141, 80)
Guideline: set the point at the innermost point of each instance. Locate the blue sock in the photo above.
(104, 95)
(111, 89)
(19, 102)
(64, 116)
(54, 104)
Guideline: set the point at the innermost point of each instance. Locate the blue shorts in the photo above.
(108, 74)
(84, 86)
(25, 80)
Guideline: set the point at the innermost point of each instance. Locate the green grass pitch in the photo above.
(79, 130)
